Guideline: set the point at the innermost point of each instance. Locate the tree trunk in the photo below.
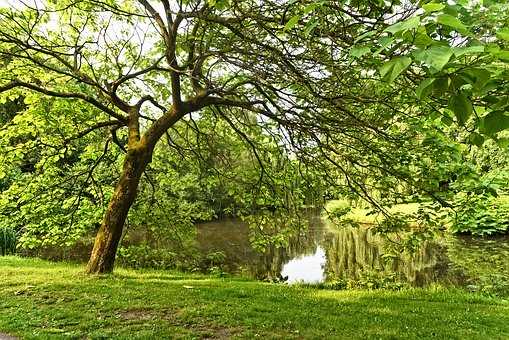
(108, 237)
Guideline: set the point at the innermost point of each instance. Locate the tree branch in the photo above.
(57, 94)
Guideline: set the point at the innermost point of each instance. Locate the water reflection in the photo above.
(307, 268)
(354, 253)
(322, 253)
(325, 254)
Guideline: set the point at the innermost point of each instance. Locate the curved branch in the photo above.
(93, 128)
(57, 94)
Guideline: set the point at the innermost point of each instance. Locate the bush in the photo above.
(146, 256)
(481, 216)
(8, 241)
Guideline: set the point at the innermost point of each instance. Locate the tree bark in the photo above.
(108, 237)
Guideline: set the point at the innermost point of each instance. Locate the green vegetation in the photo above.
(105, 134)
(341, 209)
(475, 215)
(482, 216)
(8, 241)
(131, 122)
(48, 300)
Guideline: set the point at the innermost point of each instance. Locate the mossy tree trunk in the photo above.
(109, 235)
(139, 155)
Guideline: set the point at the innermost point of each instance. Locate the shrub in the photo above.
(144, 256)
(480, 216)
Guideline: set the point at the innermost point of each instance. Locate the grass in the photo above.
(361, 215)
(40, 300)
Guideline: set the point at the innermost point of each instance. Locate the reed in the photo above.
(8, 241)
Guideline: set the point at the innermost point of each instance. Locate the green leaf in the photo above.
(404, 25)
(310, 8)
(494, 122)
(364, 35)
(436, 56)
(359, 51)
(476, 139)
(421, 38)
(503, 34)
(459, 51)
(424, 88)
(453, 22)
(393, 68)
(384, 43)
(219, 4)
(478, 77)
(310, 27)
(461, 106)
(458, 82)
(502, 55)
(433, 7)
(292, 22)
(441, 85)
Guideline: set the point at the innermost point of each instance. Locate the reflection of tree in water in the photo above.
(354, 252)
(232, 238)
(480, 258)
(350, 253)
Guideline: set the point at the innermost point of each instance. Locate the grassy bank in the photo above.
(39, 299)
(365, 215)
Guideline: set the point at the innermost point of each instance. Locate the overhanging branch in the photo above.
(57, 94)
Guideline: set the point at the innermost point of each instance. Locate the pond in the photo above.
(322, 254)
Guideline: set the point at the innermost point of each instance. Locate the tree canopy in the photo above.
(368, 96)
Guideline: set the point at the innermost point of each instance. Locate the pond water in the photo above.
(322, 253)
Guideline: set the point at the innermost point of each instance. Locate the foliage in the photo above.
(481, 215)
(146, 256)
(348, 100)
(367, 280)
(456, 54)
(8, 241)
(488, 270)
(143, 256)
(337, 209)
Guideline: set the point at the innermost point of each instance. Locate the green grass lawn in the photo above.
(39, 299)
(362, 215)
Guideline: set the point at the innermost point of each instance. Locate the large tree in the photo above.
(144, 66)
(295, 68)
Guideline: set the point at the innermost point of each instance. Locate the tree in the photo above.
(289, 67)
(181, 57)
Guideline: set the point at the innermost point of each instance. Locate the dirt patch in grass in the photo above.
(138, 314)
(203, 329)
(7, 337)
